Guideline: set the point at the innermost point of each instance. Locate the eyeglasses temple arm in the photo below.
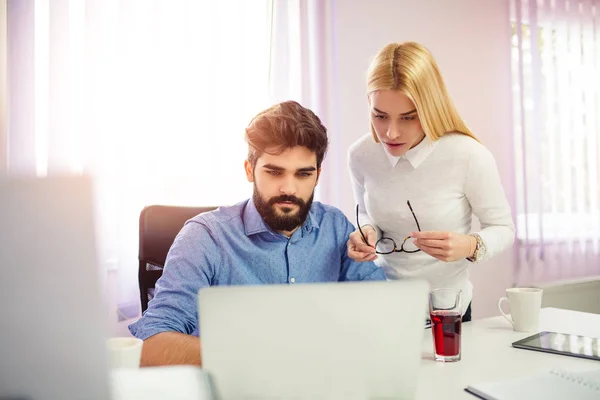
(359, 229)
(412, 212)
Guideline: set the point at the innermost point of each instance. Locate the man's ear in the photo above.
(249, 171)
(318, 176)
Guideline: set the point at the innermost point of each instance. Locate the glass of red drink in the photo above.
(446, 322)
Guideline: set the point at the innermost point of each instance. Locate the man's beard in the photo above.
(287, 221)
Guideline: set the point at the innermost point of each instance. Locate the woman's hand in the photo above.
(358, 250)
(445, 246)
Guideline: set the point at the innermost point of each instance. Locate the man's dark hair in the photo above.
(283, 126)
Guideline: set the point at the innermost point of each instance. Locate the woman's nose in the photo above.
(394, 132)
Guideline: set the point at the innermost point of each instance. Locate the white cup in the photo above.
(124, 352)
(525, 304)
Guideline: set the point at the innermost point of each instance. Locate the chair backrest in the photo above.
(159, 225)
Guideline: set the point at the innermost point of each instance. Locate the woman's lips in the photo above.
(394, 145)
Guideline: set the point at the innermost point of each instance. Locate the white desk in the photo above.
(487, 355)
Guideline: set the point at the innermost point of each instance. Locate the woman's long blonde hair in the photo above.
(411, 69)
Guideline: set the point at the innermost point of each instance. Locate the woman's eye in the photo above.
(378, 116)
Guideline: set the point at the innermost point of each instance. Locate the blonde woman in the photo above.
(420, 175)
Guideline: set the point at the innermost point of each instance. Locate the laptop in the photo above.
(54, 327)
(347, 340)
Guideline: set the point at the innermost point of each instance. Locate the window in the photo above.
(555, 68)
(556, 87)
(150, 97)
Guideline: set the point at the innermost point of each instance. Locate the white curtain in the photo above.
(149, 96)
(556, 75)
(303, 54)
(152, 97)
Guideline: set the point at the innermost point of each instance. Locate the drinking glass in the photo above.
(446, 319)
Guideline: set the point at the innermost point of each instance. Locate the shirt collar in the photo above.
(310, 223)
(416, 155)
(253, 222)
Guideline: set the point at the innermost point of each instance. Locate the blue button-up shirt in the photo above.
(234, 246)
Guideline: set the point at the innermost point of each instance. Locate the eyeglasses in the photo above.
(387, 245)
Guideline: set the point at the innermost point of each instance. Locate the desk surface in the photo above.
(487, 355)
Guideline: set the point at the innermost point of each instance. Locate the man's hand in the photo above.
(445, 246)
(360, 251)
(171, 348)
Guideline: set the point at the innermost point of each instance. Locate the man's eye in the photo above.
(274, 173)
(304, 174)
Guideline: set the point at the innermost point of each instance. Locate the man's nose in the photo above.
(288, 187)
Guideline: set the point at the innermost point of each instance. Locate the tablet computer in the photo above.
(562, 343)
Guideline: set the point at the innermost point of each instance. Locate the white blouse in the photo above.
(446, 182)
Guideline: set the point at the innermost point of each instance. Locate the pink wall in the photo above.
(471, 42)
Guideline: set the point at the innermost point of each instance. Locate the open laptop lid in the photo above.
(327, 340)
(53, 326)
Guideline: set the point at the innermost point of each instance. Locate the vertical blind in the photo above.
(556, 88)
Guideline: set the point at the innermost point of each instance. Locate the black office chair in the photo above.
(158, 227)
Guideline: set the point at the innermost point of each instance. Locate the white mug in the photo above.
(525, 304)
(124, 352)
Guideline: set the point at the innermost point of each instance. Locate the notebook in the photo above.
(555, 384)
(182, 382)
